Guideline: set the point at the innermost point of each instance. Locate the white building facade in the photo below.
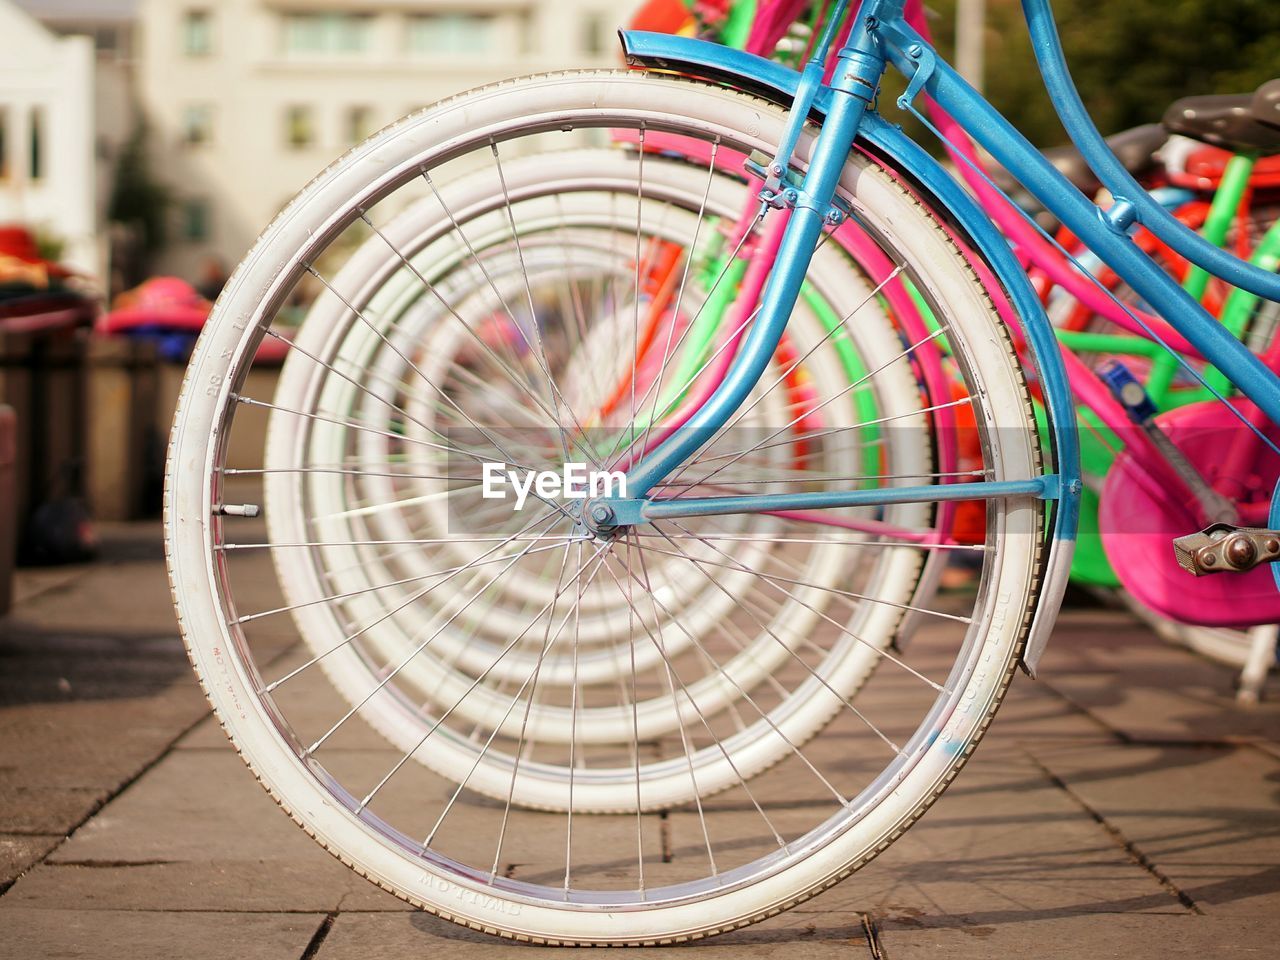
(48, 166)
(249, 99)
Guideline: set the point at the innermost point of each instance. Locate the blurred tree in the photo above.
(1130, 58)
(51, 245)
(138, 200)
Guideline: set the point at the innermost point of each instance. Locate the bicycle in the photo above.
(782, 832)
(1091, 324)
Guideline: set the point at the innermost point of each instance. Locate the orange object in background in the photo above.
(803, 402)
(1204, 168)
(970, 526)
(660, 276)
(663, 16)
(21, 263)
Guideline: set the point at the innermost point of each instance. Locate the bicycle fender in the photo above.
(777, 83)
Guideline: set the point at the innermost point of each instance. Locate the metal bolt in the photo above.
(915, 50)
(1210, 559)
(601, 513)
(1240, 551)
(834, 217)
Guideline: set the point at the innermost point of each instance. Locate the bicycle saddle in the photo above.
(1222, 121)
(1266, 103)
(1135, 149)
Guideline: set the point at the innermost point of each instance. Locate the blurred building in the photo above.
(249, 99)
(47, 160)
(106, 29)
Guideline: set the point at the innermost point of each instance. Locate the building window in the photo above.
(195, 221)
(299, 127)
(359, 124)
(197, 33)
(432, 34)
(197, 124)
(108, 41)
(37, 146)
(594, 32)
(326, 34)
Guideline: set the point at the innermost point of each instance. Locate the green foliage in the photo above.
(1130, 58)
(50, 245)
(138, 200)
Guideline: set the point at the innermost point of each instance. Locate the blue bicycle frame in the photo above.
(880, 37)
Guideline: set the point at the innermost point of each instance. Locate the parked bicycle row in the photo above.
(686, 443)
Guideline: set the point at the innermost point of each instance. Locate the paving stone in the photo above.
(28, 809)
(216, 884)
(206, 735)
(18, 853)
(44, 788)
(30, 583)
(1124, 937)
(1002, 840)
(94, 744)
(173, 810)
(195, 832)
(94, 935)
(1033, 710)
(1112, 666)
(126, 588)
(1205, 817)
(605, 847)
(94, 685)
(359, 936)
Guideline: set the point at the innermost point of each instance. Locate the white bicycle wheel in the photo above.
(764, 845)
(603, 194)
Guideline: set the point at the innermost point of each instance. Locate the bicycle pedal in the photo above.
(1226, 548)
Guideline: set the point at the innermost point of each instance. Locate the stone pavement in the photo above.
(1121, 807)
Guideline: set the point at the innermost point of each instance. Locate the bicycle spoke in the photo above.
(773, 580)
(249, 618)
(615, 451)
(819, 434)
(684, 281)
(479, 561)
(833, 541)
(763, 445)
(547, 640)
(462, 784)
(557, 396)
(813, 673)
(413, 366)
(445, 716)
(691, 700)
(684, 735)
(748, 699)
